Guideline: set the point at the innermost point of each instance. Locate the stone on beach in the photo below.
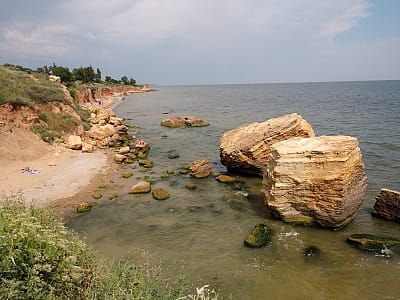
(246, 149)
(75, 142)
(119, 158)
(101, 132)
(387, 205)
(124, 150)
(315, 180)
(183, 121)
(140, 187)
(200, 168)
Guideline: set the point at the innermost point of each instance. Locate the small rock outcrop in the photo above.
(259, 236)
(384, 246)
(183, 121)
(200, 168)
(318, 180)
(387, 205)
(246, 149)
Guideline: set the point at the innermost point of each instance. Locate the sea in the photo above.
(200, 233)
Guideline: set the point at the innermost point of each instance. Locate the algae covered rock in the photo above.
(83, 207)
(97, 196)
(160, 194)
(140, 188)
(127, 175)
(146, 163)
(190, 186)
(384, 246)
(259, 236)
(226, 179)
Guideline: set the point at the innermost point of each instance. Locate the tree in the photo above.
(132, 81)
(124, 80)
(98, 75)
(108, 79)
(62, 72)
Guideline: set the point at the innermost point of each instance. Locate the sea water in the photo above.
(200, 233)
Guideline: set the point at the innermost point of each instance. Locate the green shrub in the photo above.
(39, 257)
(45, 133)
(125, 280)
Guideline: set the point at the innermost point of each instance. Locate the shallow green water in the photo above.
(200, 232)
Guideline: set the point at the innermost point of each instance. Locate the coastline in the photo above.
(63, 175)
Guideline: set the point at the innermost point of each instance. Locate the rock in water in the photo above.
(246, 149)
(378, 245)
(83, 207)
(387, 205)
(140, 187)
(315, 180)
(183, 121)
(200, 168)
(259, 236)
(160, 194)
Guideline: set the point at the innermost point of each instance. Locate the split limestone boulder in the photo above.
(317, 180)
(246, 149)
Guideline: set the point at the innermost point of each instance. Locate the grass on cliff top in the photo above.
(41, 259)
(22, 88)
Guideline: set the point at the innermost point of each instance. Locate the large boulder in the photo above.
(200, 168)
(75, 142)
(246, 149)
(318, 180)
(387, 205)
(101, 132)
(183, 121)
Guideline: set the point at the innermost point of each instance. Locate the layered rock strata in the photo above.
(387, 205)
(315, 180)
(246, 149)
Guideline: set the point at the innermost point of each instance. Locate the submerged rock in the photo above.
(384, 246)
(226, 179)
(387, 205)
(317, 180)
(200, 168)
(127, 175)
(259, 236)
(190, 186)
(140, 187)
(160, 194)
(246, 149)
(83, 207)
(311, 252)
(97, 196)
(183, 121)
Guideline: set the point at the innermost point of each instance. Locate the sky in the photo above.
(176, 42)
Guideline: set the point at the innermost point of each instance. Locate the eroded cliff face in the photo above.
(246, 149)
(315, 180)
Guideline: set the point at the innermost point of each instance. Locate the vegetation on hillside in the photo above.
(21, 87)
(41, 259)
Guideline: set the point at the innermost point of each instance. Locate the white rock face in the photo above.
(246, 149)
(315, 180)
